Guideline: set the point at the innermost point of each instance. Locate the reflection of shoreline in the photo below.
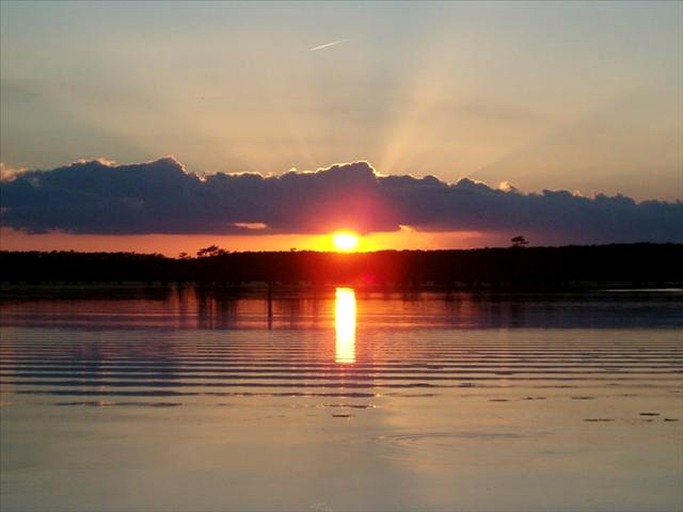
(10, 292)
(215, 307)
(345, 325)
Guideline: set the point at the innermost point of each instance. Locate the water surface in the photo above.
(191, 399)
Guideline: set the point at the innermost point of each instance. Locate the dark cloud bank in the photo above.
(161, 197)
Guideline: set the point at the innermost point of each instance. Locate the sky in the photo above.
(580, 97)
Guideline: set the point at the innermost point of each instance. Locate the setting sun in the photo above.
(345, 241)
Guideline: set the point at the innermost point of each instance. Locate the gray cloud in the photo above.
(97, 197)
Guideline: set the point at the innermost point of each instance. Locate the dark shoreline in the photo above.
(538, 269)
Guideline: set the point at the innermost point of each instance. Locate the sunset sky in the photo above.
(580, 97)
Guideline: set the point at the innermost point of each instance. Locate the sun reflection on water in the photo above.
(345, 324)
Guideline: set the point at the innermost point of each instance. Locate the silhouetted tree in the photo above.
(519, 241)
(212, 250)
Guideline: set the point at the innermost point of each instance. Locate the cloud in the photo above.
(99, 197)
(8, 173)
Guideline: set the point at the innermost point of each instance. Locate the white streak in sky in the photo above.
(327, 45)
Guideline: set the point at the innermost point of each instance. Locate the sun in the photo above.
(345, 241)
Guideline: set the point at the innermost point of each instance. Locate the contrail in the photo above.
(327, 45)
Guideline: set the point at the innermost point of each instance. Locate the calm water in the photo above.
(192, 400)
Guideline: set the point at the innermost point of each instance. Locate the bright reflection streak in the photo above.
(345, 323)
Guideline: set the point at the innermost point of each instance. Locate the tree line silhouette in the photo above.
(514, 267)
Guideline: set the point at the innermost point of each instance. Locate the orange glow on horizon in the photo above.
(173, 245)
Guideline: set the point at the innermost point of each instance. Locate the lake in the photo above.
(190, 399)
